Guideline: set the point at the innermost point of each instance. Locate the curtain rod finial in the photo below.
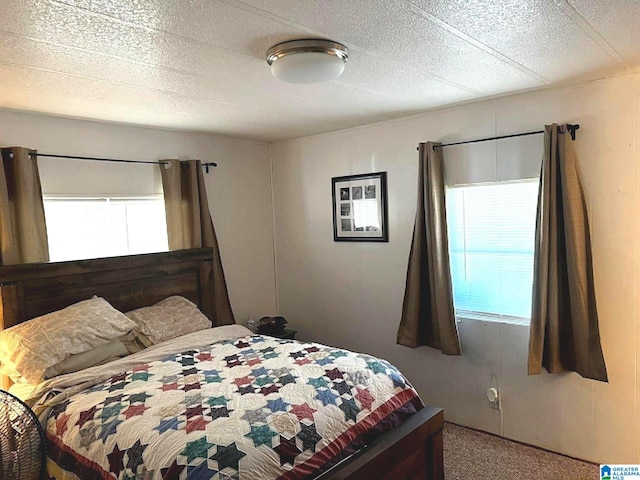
(208, 165)
(572, 130)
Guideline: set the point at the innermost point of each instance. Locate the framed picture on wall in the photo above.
(360, 208)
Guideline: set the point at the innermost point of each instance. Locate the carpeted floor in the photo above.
(471, 455)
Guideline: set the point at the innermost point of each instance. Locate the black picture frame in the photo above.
(360, 208)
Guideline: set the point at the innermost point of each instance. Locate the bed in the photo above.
(409, 448)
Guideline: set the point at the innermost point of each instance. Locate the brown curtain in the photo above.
(427, 312)
(564, 333)
(189, 225)
(23, 231)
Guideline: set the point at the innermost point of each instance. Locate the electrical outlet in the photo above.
(493, 397)
(251, 323)
(493, 394)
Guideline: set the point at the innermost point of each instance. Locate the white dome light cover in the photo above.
(307, 61)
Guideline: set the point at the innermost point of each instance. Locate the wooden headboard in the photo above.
(129, 282)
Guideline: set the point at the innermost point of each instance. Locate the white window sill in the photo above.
(491, 317)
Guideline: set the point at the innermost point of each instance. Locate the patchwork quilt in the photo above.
(253, 407)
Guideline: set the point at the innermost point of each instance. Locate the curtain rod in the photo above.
(572, 130)
(118, 160)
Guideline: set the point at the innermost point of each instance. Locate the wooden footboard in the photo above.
(411, 451)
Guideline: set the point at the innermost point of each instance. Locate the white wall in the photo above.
(350, 294)
(239, 189)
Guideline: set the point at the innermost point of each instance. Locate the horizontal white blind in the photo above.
(491, 243)
(92, 227)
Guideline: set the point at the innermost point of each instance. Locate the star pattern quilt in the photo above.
(253, 407)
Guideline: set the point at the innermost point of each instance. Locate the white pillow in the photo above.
(167, 319)
(28, 349)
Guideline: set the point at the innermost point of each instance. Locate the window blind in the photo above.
(491, 243)
(92, 227)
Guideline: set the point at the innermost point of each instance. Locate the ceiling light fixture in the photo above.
(307, 61)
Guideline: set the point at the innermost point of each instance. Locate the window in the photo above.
(491, 244)
(91, 227)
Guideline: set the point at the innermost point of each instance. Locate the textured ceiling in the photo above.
(200, 64)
